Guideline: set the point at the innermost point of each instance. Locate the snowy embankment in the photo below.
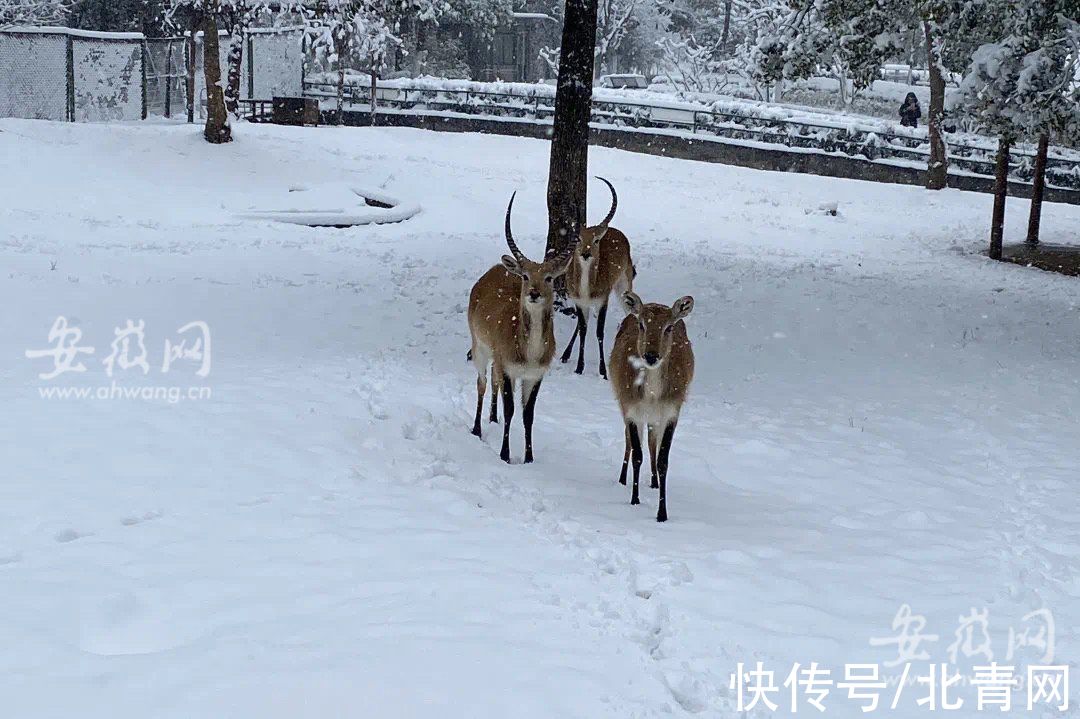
(880, 417)
(774, 125)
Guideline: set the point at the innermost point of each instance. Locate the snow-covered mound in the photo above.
(334, 205)
(881, 418)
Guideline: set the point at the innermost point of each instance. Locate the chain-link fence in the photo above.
(76, 75)
(108, 77)
(166, 76)
(34, 79)
(273, 65)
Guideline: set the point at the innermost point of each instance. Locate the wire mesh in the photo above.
(33, 76)
(166, 77)
(108, 79)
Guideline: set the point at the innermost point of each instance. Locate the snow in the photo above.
(880, 416)
(333, 205)
(75, 32)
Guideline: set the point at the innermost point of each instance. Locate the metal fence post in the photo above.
(145, 50)
(189, 83)
(70, 80)
(168, 79)
(251, 65)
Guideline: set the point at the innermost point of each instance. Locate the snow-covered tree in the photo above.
(693, 67)
(146, 16)
(613, 23)
(33, 12)
(238, 16)
(1023, 85)
(342, 30)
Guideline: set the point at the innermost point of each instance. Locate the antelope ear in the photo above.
(682, 307)
(512, 265)
(631, 303)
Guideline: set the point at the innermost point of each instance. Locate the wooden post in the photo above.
(1001, 188)
(1038, 184)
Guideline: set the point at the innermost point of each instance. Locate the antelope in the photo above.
(601, 265)
(652, 364)
(510, 319)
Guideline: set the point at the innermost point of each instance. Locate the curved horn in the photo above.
(614, 202)
(518, 254)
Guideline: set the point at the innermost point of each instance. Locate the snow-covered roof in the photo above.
(74, 32)
(532, 16)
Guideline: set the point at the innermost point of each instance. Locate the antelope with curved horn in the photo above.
(601, 265)
(652, 365)
(510, 319)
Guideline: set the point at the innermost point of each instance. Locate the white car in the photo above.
(624, 82)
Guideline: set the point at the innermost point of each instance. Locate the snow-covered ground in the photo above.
(881, 417)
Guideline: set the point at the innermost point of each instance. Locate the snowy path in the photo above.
(880, 417)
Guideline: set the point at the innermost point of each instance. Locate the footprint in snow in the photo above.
(139, 519)
(69, 535)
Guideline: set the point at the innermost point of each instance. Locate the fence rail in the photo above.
(965, 154)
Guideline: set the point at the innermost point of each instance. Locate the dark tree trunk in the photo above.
(727, 28)
(569, 167)
(1001, 187)
(191, 69)
(339, 46)
(236, 63)
(937, 171)
(217, 117)
(374, 87)
(1038, 183)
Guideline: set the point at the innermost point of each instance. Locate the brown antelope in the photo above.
(510, 319)
(652, 364)
(601, 265)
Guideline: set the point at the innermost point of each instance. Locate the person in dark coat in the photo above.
(910, 112)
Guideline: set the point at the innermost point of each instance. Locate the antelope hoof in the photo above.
(579, 370)
(635, 500)
(528, 458)
(661, 516)
(476, 430)
(504, 455)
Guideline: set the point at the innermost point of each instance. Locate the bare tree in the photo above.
(217, 130)
(937, 170)
(203, 15)
(569, 166)
(1038, 183)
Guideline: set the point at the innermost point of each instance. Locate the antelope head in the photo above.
(656, 326)
(588, 249)
(537, 278)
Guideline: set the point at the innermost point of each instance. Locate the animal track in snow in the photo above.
(69, 535)
(132, 520)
